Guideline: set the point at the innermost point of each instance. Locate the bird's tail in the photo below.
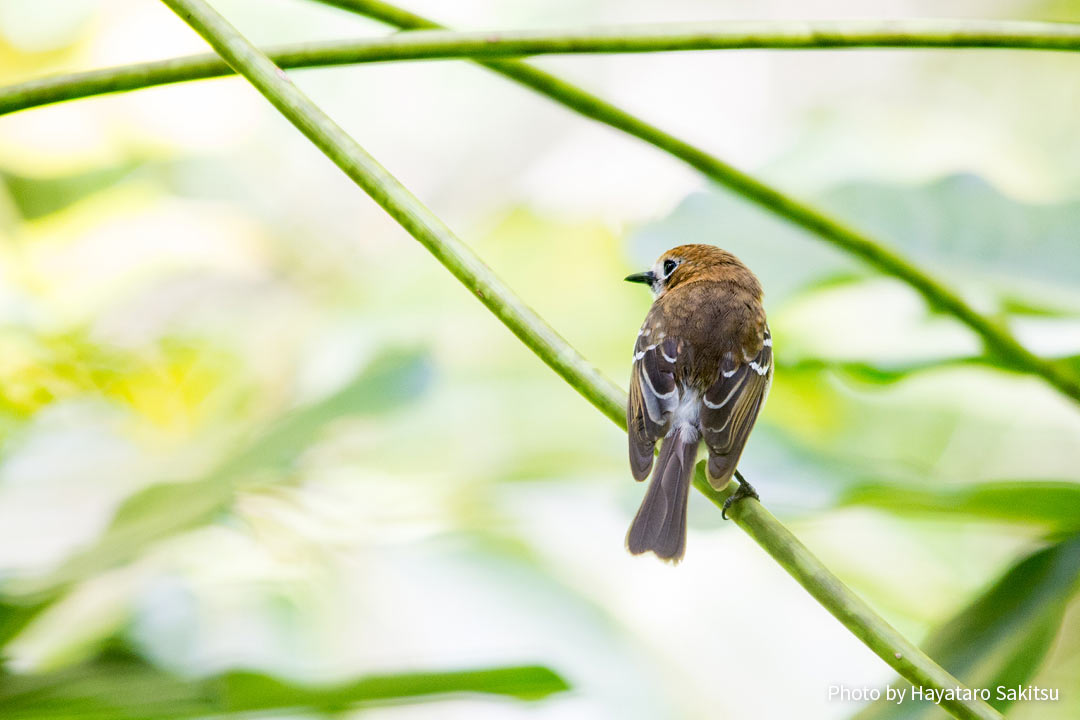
(660, 523)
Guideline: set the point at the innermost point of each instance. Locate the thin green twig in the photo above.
(997, 339)
(443, 44)
(467, 267)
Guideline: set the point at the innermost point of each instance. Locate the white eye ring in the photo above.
(669, 266)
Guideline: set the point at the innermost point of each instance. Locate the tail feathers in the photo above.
(660, 523)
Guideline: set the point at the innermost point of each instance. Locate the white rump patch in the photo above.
(688, 412)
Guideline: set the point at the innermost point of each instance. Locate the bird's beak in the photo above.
(642, 277)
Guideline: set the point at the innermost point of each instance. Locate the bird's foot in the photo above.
(744, 490)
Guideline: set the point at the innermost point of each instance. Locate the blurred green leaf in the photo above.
(163, 510)
(35, 197)
(1002, 637)
(391, 380)
(878, 373)
(14, 617)
(1054, 505)
(884, 372)
(119, 685)
(252, 691)
(1071, 364)
(1044, 308)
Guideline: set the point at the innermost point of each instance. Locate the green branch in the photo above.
(443, 44)
(467, 267)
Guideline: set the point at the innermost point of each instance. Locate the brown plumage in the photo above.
(702, 370)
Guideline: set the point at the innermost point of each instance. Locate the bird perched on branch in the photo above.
(702, 370)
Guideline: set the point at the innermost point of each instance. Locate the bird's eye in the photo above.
(669, 267)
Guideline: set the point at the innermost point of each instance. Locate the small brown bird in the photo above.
(702, 370)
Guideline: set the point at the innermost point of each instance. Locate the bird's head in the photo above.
(692, 263)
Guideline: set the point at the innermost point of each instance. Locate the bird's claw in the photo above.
(744, 490)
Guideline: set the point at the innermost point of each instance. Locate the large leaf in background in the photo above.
(1054, 506)
(119, 685)
(163, 510)
(1003, 636)
(962, 221)
(37, 197)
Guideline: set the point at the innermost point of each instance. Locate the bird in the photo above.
(702, 368)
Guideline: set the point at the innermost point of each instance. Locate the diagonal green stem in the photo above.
(997, 339)
(467, 267)
(403, 206)
(435, 44)
(907, 659)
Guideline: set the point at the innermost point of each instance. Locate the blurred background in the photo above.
(253, 437)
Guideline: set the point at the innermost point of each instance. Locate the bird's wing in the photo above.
(654, 395)
(730, 406)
